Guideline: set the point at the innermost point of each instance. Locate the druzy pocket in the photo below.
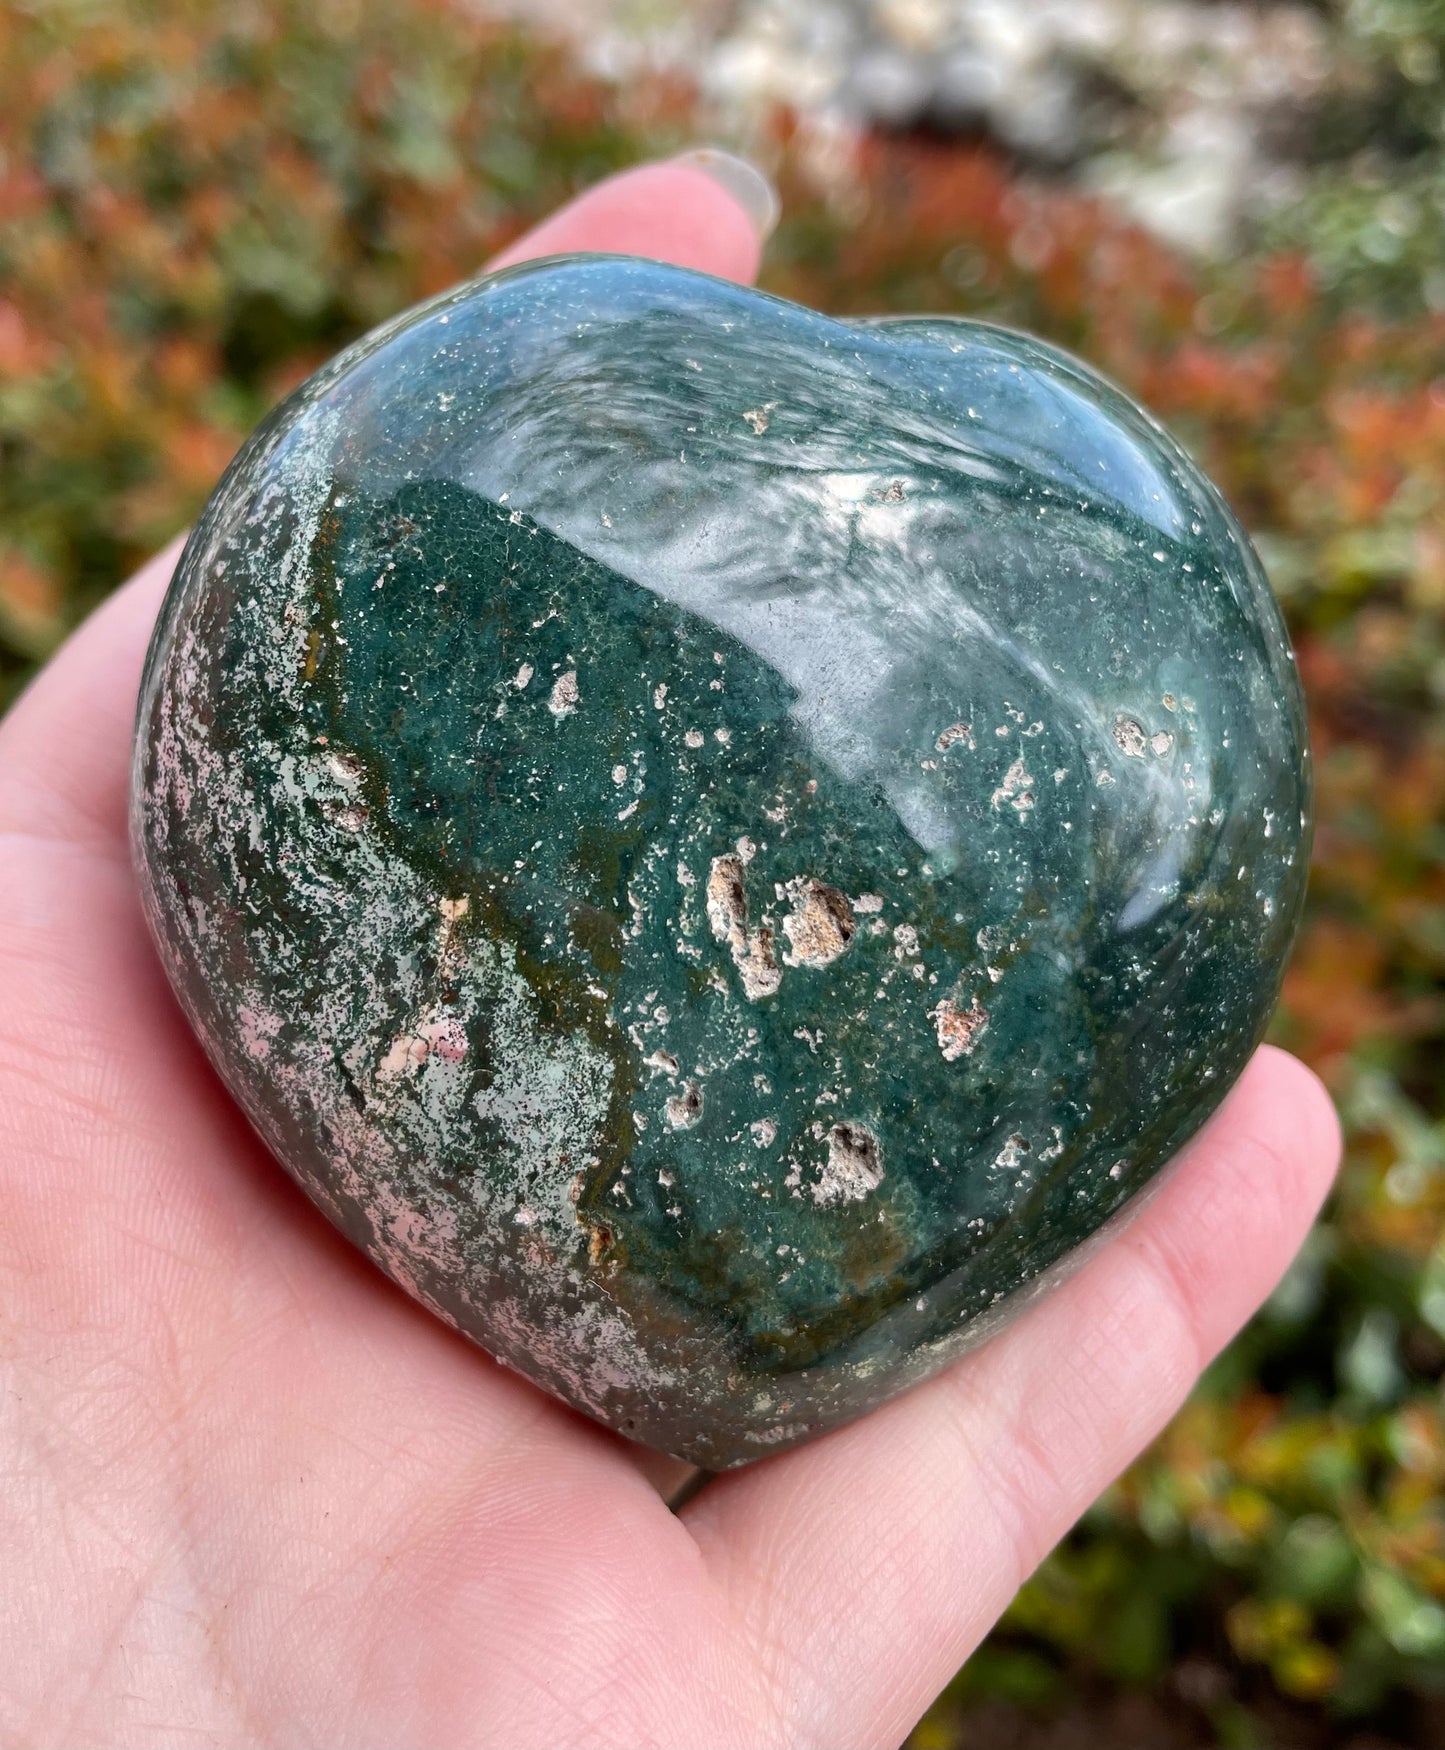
(717, 844)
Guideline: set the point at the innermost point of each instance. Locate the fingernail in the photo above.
(742, 180)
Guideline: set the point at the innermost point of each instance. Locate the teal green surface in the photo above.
(719, 845)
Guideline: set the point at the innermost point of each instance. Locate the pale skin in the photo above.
(251, 1494)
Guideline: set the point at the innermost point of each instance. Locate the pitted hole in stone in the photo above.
(685, 1109)
(821, 924)
(754, 952)
(854, 1167)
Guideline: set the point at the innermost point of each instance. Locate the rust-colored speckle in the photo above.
(958, 1029)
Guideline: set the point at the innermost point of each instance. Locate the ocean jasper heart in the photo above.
(717, 844)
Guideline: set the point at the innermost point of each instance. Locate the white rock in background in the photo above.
(1179, 110)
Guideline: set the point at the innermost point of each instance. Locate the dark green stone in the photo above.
(718, 844)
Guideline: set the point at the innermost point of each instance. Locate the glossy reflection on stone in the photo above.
(718, 844)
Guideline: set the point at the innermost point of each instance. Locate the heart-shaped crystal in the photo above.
(718, 844)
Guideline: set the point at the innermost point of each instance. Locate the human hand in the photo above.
(249, 1493)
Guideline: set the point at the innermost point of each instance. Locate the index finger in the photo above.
(65, 745)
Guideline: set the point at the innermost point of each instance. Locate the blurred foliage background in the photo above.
(199, 204)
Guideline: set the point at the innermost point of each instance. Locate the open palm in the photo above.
(250, 1494)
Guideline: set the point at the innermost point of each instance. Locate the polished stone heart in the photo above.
(717, 844)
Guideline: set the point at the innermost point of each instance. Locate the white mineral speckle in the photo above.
(258, 1028)
(1016, 789)
(565, 694)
